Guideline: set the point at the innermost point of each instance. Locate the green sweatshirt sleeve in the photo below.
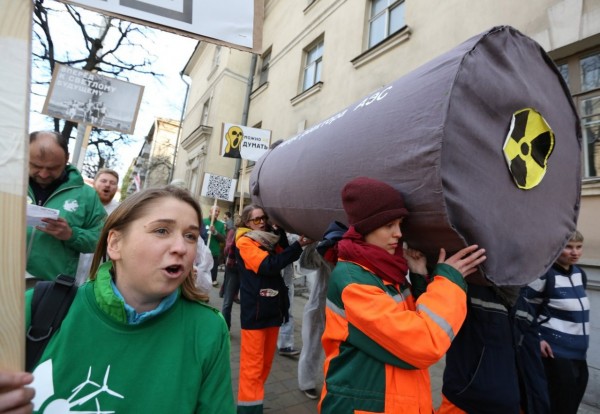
(216, 396)
(85, 237)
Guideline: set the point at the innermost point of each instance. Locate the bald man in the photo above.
(54, 248)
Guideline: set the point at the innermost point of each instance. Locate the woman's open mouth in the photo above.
(174, 270)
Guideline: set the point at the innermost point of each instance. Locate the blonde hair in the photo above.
(576, 237)
(107, 171)
(134, 207)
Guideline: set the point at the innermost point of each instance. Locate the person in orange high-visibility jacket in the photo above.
(261, 254)
(382, 332)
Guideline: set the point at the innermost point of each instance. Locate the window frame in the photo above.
(574, 82)
(385, 14)
(217, 56)
(205, 112)
(263, 76)
(317, 63)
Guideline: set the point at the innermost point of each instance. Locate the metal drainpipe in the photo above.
(238, 161)
(187, 89)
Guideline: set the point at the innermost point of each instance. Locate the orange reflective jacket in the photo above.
(379, 341)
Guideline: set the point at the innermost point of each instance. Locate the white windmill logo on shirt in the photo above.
(44, 387)
(71, 205)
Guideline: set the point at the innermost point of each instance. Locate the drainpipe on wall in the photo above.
(238, 161)
(187, 89)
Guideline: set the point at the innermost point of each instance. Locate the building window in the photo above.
(590, 72)
(564, 71)
(205, 108)
(264, 68)
(582, 73)
(589, 110)
(194, 184)
(314, 65)
(216, 57)
(387, 17)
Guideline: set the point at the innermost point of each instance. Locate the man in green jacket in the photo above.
(54, 247)
(216, 229)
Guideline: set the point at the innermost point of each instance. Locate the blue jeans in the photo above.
(232, 286)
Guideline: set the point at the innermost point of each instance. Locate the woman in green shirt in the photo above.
(136, 338)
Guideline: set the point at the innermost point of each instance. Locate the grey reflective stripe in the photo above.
(400, 297)
(488, 305)
(250, 403)
(335, 309)
(524, 315)
(397, 297)
(441, 322)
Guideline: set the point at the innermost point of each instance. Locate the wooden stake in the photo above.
(242, 177)
(15, 78)
(83, 138)
(212, 220)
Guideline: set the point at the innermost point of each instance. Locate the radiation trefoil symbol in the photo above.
(528, 146)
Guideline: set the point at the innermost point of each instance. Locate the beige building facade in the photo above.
(153, 165)
(216, 95)
(319, 56)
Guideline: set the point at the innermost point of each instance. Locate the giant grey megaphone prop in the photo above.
(483, 142)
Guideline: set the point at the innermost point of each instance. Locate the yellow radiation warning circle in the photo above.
(528, 146)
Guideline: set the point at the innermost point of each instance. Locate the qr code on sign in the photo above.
(218, 187)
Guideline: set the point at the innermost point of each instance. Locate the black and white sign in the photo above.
(218, 186)
(234, 22)
(86, 97)
(244, 142)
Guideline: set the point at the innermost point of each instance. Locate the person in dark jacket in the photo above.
(261, 255)
(494, 364)
(231, 279)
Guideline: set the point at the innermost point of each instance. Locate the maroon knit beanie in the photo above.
(370, 204)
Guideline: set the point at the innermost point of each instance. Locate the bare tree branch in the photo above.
(104, 46)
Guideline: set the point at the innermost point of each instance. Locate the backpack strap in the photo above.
(50, 303)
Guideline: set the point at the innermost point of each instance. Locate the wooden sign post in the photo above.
(83, 137)
(219, 188)
(212, 221)
(15, 48)
(244, 166)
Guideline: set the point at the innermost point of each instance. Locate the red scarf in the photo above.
(389, 267)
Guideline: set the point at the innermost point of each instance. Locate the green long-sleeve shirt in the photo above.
(175, 362)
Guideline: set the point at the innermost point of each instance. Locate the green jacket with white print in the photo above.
(80, 206)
